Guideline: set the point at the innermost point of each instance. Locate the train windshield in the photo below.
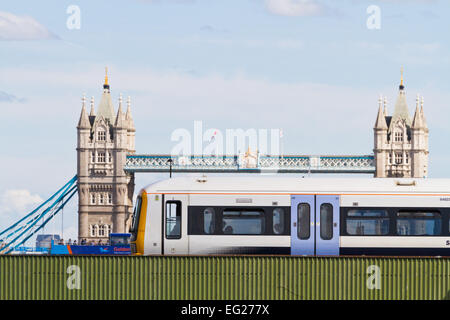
(136, 216)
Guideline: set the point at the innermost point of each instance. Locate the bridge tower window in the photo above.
(93, 230)
(107, 230)
(101, 135)
(398, 158)
(101, 157)
(398, 136)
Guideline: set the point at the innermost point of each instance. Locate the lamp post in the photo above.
(170, 167)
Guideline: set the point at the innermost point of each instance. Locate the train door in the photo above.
(175, 225)
(314, 225)
(327, 225)
(302, 225)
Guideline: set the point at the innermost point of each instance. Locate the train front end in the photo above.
(137, 228)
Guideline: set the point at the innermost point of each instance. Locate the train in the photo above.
(273, 215)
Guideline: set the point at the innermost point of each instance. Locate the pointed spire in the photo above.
(128, 107)
(381, 120)
(417, 121)
(401, 112)
(92, 112)
(83, 123)
(385, 107)
(105, 107)
(128, 116)
(424, 121)
(120, 118)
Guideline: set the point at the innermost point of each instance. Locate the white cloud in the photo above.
(17, 203)
(294, 7)
(14, 27)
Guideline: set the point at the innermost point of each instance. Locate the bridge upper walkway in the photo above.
(256, 164)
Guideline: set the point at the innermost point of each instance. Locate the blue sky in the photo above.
(310, 67)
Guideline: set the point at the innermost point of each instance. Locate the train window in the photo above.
(372, 222)
(418, 223)
(209, 220)
(245, 222)
(326, 221)
(173, 219)
(303, 221)
(278, 221)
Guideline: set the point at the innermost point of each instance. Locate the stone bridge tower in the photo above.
(105, 191)
(401, 144)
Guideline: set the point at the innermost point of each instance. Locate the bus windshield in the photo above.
(119, 239)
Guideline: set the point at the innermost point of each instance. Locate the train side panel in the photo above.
(262, 244)
(395, 225)
(153, 238)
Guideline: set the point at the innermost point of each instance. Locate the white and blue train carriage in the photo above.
(276, 215)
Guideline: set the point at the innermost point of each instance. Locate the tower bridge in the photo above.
(107, 163)
(107, 159)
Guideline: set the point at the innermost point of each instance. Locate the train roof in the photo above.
(293, 185)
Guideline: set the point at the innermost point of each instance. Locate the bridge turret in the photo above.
(419, 141)
(120, 177)
(92, 112)
(380, 139)
(131, 128)
(83, 141)
(401, 145)
(106, 191)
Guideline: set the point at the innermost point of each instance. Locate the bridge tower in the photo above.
(401, 145)
(105, 190)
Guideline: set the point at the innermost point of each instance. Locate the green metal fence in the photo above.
(83, 277)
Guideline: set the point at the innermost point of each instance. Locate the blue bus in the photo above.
(119, 244)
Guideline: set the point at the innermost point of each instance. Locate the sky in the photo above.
(312, 68)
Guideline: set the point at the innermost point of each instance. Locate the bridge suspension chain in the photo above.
(19, 232)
